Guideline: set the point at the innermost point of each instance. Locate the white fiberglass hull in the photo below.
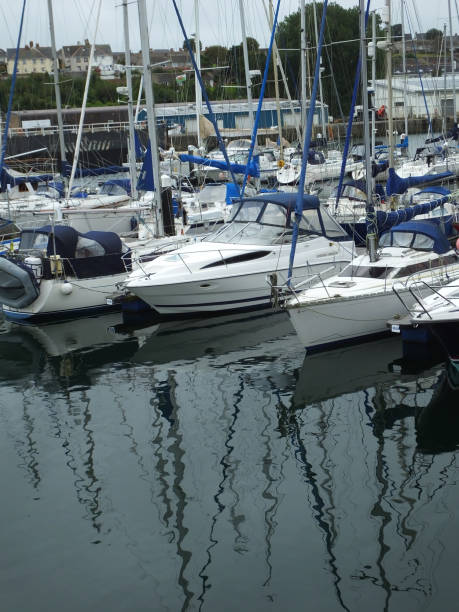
(326, 323)
(224, 293)
(73, 297)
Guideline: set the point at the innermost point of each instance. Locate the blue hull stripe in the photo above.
(56, 314)
(265, 299)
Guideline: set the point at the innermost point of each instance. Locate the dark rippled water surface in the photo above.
(210, 465)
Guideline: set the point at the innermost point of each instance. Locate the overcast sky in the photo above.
(219, 20)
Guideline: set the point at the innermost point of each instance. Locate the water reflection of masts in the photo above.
(86, 483)
(271, 491)
(167, 409)
(289, 426)
(28, 450)
(227, 474)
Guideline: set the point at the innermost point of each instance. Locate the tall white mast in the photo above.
(57, 89)
(83, 106)
(402, 8)
(197, 86)
(127, 56)
(453, 66)
(389, 84)
(303, 63)
(151, 117)
(276, 83)
(373, 82)
(248, 82)
(321, 94)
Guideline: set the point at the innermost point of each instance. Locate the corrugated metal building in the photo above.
(439, 97)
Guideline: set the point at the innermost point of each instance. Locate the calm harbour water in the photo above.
(211, 465)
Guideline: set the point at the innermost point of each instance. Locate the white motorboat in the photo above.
(228, 269)
(357, 303)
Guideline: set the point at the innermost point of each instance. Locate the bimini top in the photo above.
(423, 235)
(287, 199)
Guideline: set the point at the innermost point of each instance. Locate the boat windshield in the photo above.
(406, 239)
(259, 222)
(112, 189)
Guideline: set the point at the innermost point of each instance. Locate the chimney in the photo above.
(31, 44)
(86, 42)
(37, 46)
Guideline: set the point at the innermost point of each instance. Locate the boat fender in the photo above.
(66, 288)
(457, 244)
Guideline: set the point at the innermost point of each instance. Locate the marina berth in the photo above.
(355, 304)
(228, 269)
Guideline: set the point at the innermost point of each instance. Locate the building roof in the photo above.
(81, 51)
(29, 52)
(431, 84)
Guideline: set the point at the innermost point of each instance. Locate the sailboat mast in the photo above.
(197, 87)
(321, 93)
(453, 66)
(443, 119)
(83, 106)
(248, 82)
(389, 83)
(276, 84)
(151, 117)
(57, 89)
(127, 56)
(373, 83)
(303, 64)
(402, 9)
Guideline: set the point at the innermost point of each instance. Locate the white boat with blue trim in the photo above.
(228, 269)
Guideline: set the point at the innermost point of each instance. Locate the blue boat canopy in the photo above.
(288, 199)
(425, 235)
(84, 255)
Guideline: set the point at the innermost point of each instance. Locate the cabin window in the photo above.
(243, 257)
(274, 215)
(310, 222)
(34, 241)
(86, 247)
(401, 239)
(423, 242)
(249, 211)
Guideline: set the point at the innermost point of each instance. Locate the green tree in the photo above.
(339, 57)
